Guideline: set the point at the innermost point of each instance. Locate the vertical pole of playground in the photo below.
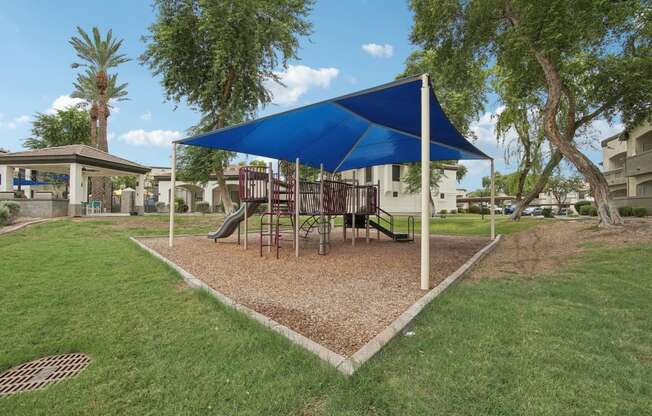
(297, 201)
(493, 200)
(425, 182)
(322, 235)
(270, 190)
(173, 178)
(355, 207)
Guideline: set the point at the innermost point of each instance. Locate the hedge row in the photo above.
(624, 211)
(632, 211)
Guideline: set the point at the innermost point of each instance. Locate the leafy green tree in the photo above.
(122, 182)
(587, 59)
(217, 57)
(560, 186)
(68, 126)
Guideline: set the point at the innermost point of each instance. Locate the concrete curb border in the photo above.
(344, 365)
(15, 227)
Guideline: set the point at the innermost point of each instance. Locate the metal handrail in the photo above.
(390, 221)
(410, 220)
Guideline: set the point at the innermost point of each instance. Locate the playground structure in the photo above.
(297, 207)
(398, 122)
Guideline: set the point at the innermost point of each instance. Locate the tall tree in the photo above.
(522, 116)
(587, 59)
(68, 126)
(86, 89)
(98, 55)
(217, 56)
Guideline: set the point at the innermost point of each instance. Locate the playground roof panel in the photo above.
(381, 125)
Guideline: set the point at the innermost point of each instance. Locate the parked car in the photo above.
(538, 211)
(527, 211)
(564, 211)
(509, 210)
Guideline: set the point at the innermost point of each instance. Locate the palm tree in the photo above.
(99, 55)
(86, 89)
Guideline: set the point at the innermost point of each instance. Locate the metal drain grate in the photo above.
(37, 374)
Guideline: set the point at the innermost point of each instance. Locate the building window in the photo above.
(644, 189)
(369, 174)
(395, 194)
(396, 173)
(442, 196)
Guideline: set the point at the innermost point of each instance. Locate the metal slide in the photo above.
(231, 222)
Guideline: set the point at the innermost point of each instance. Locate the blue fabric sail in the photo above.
(377, 126)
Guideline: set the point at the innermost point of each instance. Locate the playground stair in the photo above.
(400, 237)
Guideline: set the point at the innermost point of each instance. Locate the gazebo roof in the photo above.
(75, 153)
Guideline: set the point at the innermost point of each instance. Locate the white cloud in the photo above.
(13, 123)
(379, 51)
(141, 137)
(147, 116)
(63, 102)
(298, 79)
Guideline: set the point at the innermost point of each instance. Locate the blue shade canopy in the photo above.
(378, 126)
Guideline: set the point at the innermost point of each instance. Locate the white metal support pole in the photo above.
(270, 190)
(297, 201)
(355, 207)
(173, 179)
(246, 224)
(425, 182)
(493, 201)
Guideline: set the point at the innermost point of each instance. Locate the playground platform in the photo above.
(340, 301)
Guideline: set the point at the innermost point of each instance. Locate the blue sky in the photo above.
(356, 44)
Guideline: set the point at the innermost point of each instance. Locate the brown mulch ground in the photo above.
(553, 246)
(341, 300)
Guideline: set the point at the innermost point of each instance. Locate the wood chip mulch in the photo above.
(341, 300)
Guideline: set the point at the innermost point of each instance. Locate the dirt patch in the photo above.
(554, 246)
(341, 300)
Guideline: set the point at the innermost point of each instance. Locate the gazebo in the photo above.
(398, 122)
(78, 162)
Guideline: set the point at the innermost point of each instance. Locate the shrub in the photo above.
(13, 207)
(160, 206)
(202, 207)
(474, 209)
(443, 211)
(580, 204)
(547, 212)
(180, 205)
(626, 211)
(4, 215)
(453, 211)
(588, 210)
(639, 211)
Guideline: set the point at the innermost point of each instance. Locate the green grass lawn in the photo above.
(577, 342)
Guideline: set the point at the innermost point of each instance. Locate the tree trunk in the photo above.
(102, 116)
(555, 158)
(93, 117)
(607, 212)
(225, 195)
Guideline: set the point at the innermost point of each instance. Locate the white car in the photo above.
(528, 211)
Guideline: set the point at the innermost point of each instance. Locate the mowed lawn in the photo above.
(577, 342)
